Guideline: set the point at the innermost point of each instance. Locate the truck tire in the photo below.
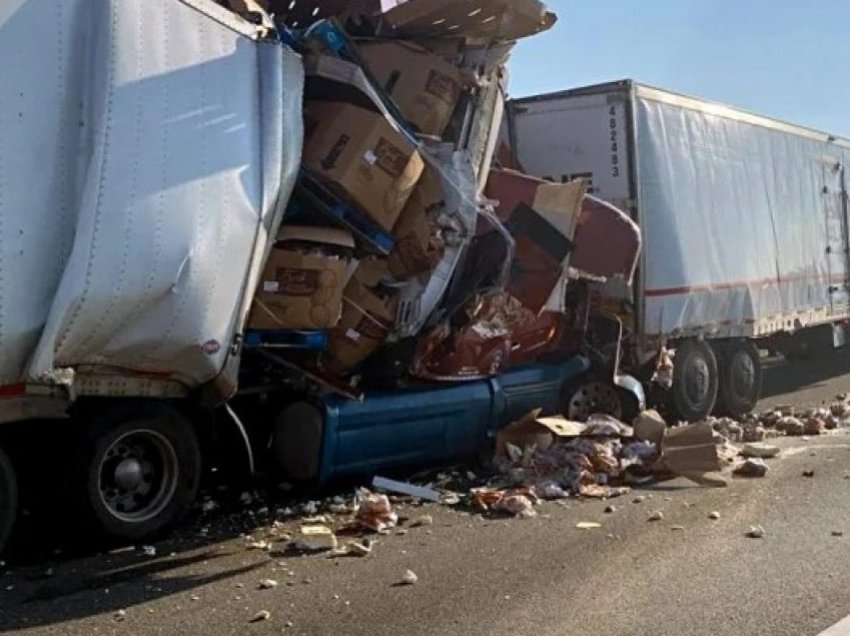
(297, 441)
(138, 471)
(589, 395)
(739, 366)
(695, 381)
(8, 500)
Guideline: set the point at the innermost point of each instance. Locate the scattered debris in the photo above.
(814, 426)
(588, 525)
(374, 511)
(639, 499)
(610, 509)
(409, 578)
(149, 550)
(404, 488)
(315, 539)
(677, 528)
(262, 615)
(837, 533)
(808, 473)
(258, 545)
(714, 515)
(755, 532)
(763, 451)
(656, 516)
(752, 467)
(267, 584)
(518, 501)
(422, 520)
(120, 615)
(129, 548)
(359, 549)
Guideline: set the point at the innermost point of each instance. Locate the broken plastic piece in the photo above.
(404, 488)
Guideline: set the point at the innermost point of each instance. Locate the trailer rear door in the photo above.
(837, 246)
(576, 136)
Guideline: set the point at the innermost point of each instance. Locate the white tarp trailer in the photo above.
(744, 220)
(147, 149)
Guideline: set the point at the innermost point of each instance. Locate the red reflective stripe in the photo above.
(687, 289)
(12, 390)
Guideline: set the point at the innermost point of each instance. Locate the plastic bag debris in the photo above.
(375, 511)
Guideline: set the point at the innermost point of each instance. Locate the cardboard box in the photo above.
(303, 282)
(424, 86)
(367, 319)
(363, 153)
(415, 251)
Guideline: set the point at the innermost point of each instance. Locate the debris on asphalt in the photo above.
(588, 525)
(677, 528)
(763, 451)
(409, 578)
(267, 584)
(714, 515)
(656, 516)
(374, 511)
(129, 548)
(259, 617)
(808, 473)
(149, 550)
(792, 426)
(814, 426)
(755, 532)
(751, 467)
(639, 499)
(355, 548)
(258, 545)
(610, 509)
(422, 520)
(419, 492)
(120, 615)
(837, 533)
(315, 539)
(515, 501)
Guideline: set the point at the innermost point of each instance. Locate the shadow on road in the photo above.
(782, 377)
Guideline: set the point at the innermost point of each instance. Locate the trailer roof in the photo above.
(691, 103)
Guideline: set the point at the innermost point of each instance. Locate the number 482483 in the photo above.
(615, 141)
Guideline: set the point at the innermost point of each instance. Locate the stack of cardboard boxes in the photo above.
(316, 277)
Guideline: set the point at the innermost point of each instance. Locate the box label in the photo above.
(297, 282)
(443, 87)
(390, 159)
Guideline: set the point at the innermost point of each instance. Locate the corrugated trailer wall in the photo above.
(744, 222)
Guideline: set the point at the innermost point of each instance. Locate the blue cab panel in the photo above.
(434, 424)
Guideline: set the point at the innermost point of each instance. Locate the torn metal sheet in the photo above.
(494, 20)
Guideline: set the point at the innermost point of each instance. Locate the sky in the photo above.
(788, 59)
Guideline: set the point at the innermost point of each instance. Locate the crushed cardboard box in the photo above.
(362, 153)
(368, 316)
(303, 281)
(417, 248)
(425, 87)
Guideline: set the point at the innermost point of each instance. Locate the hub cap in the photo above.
(593, 397)
(138, 475)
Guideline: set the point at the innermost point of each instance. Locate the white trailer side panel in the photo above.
(145, 146)
(737, 218)
(743, 218)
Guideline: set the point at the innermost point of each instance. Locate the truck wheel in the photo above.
(139, 470)
(8, 499)
(694, 389)
(592, 395)
(740, 378)
(297, 442)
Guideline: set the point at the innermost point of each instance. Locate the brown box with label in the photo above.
(424, 85)
(417, 250)
(363, 153)
(303, 282)
(368, 317)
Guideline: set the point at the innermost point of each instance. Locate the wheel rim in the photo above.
(593, 397)
(743, 375)
(697, 382)
(138, 476)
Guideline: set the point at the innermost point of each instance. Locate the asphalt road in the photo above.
(685, 574)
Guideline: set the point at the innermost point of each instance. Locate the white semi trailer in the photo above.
(744, 221)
